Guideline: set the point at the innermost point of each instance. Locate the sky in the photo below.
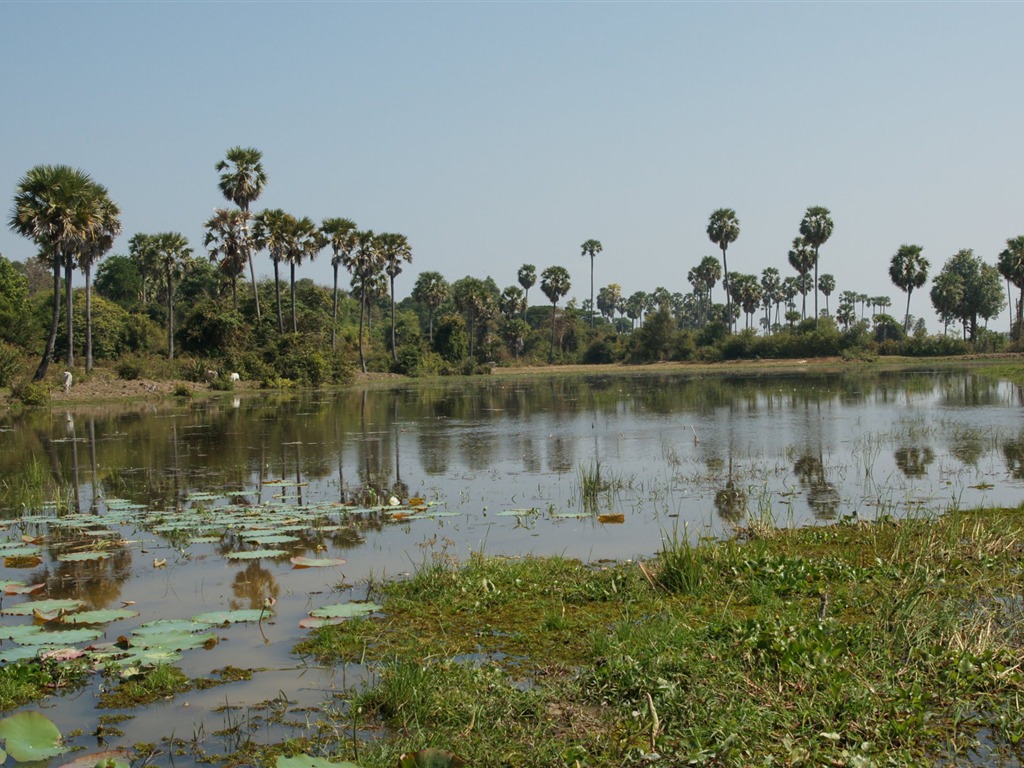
(495, 134)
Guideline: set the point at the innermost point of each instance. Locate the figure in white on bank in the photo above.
(235, 377)
(66, 382)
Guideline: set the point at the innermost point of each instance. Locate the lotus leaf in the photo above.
(60, 637)
(46, 606)
(18, 631)
(519, 512)
(114, 758)
(170, 625)
(78, 557)
(99, 617)
(20, 551)
(174, 641)
(316, 562)
(344, 610)
(231, 617)
(255, 554)
(30, 736)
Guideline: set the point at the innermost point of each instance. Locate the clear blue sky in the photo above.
(497, 134)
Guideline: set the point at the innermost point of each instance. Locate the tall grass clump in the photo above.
(682, 567)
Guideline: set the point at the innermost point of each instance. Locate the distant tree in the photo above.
(364, 264)
(274, 230)
(13, 302)
(946, 294)
(474, 299)
(118, 280)
(554, 282)
(771, 294)
(432, 290)
(1011, 267)
(703, 278)
(527, 277)
(340, 235)
(816, 228)
(99, 241)
(801, 258)
(225, 241)
(635, 305)
(723, 230)
(394, 250)
(242, 180)
(512, 303)
(908, 270)
(982, 290)
(172, 252)
(591, 248)
(304, 242)
(608, 299)
(827, 285)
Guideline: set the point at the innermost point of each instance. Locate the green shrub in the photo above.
(182, 390)
(32, 393)
(10, 364)
(129, 370)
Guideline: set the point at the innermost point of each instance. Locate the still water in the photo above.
(173, 511)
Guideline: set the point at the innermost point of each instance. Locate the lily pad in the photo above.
(255, 554)
(18, 631)
(79, 557)
(60, 637)
(30, 736)
(316, 562)
(232, 617)
(519, 512)
(99, 617)
(345, 610)
(46, 606)
(161, 626)
(21, 551)
(18, 588)
(114, 758)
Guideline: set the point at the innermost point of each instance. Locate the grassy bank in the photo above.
(889, 643)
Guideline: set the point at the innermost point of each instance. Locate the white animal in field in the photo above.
(211, 376)
(66, 381)
(235, 377)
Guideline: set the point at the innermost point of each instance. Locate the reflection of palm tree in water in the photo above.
(253, 584)
(822, 496)
(913, 461)
(731, 501)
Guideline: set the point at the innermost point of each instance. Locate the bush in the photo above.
(32, 393)
(129, 370)
(182, 390)
(10, 363)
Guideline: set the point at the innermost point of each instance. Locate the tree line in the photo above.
(440, 327)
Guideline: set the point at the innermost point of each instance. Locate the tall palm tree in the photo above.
(172, 253)
(908, 270)
(304, 241)
(242, 180)
(273, 229)
(394, 249)
(141, 254)
(591, 248)
(527, 277)
(771, 290)
(554, 282)
(1011, 267)
(340, 235)
(432, 290)
(59, 208)
(827, 285)
(364, 264)
(225, 243)
(723, 229)
(816, 228)
(801, 258)
(95, 247)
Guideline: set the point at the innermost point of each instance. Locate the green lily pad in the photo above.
(19, 653)
(19, 631)
(316, 562)
(345, 610)
(60, 637)
(20, 551)
(306, 761)
(114, 758)
(255, 554)
(169, 625)
(232, 617)
(30, 736)
(44, 606)
(99, 617)
(174, 641)
(271, 538)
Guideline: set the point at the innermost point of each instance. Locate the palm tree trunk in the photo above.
(170, 316)
(295, 324)
(362, 307)
(592, 291)
(88, 319)
(815, 286)
(277, 295)
(906, 317)
(728, 296)
(69, 311)
(51, 341)
(248, 258)
(551, 354)
(234, 292)
(394, 349)
(334, 312)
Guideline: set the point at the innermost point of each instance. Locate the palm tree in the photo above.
(340, 234)
(60, 209)
(527, 277)
(273, 230)
(947, 293)
(801, 258)
(432, 289)
(364, 264)
(172, 251)
(1011, 267)
(95, 247)
(511, 303)
(771, 289)
(723, 229)
(304, 241)
(591, 248)
(394, 249)
(242, 180)
(827, 284)
(816, 228)
(141, 255)
(225, 244)
(908, 270)
(554, 282)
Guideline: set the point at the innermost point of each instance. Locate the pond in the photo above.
(214, 533)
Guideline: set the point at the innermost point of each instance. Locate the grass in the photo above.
(893, 642)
